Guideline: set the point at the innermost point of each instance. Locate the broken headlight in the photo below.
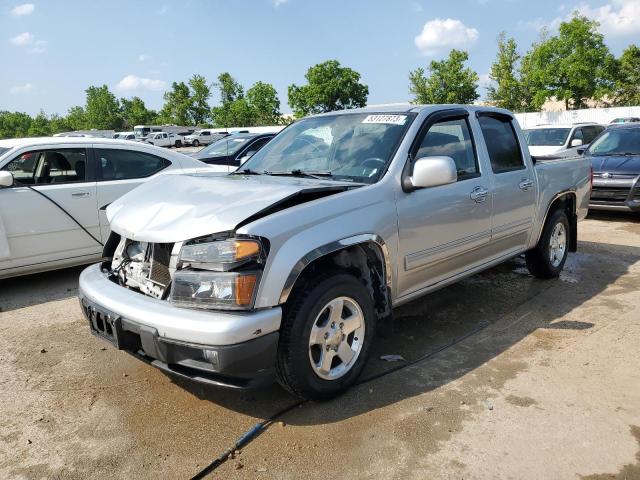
(220, 273)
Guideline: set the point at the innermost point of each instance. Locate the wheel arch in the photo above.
(566, 201)
(365, 255)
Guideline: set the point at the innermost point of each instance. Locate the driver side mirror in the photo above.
(576, 142)
(433, 172)
(6, 179)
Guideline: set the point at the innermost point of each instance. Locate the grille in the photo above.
(610, 193)
(159, 261)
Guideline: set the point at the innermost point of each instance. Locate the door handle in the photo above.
(80, 194)
(479, 194)
(525, 184)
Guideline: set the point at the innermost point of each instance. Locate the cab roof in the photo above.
(35, 141)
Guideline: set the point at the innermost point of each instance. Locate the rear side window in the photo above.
(451, 138)
(127, 164)
(502, 144)
(65, 165)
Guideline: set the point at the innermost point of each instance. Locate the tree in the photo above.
(135, 112)
(628, 77)
(14, 124)
(234, 110)
(506, 92)
(177, 105)
(199, 109)
(230, 89)
(102, 110)
(39, 126)
(263, 99)
(448, 81)
(76, 118)
(574, 66)
(58, 124)
(329, 87)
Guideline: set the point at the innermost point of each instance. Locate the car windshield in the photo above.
(353, 147)
(225, 146)
(617, 141)
(546, 137)
(3, 150)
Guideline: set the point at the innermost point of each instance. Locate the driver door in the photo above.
(444, 230)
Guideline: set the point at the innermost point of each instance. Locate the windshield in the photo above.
(3, 150)
(617, 141)
(353, 147)
(546, 137)
(225, 146)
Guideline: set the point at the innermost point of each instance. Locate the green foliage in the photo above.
(506, 92)
(14, 124)
(449, 81)
(628, 77)
(102, 110)
(263, 99)
(329, 87)
(76, 118)
(574, 66)
(39, 126)
(260, 106)
(177, 105)
(135, 112)
(199, 106)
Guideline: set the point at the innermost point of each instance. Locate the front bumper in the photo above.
(230, 349)
(615, 194)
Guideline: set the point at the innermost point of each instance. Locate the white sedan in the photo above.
(53, 192)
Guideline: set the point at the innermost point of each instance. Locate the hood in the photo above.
(544, 150)
(173, 208)
(619, 164)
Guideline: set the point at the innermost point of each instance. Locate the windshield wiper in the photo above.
(302, 173)
(246, 171)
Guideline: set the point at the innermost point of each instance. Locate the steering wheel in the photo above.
(373, 163)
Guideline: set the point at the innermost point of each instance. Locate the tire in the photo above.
(196, 143)
(545, 261)
(309, 312)
(178, 144)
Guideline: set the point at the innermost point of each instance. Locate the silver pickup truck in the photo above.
(287, 267)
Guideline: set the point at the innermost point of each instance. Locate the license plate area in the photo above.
(103, 324)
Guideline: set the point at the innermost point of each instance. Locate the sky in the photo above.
(51, 51)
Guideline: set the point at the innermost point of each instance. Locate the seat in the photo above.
(81, 171)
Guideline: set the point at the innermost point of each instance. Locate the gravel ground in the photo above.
(548, 388)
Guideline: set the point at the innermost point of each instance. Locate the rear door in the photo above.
(514, 186)
(39, 232)
(120, 170)
(444, 230)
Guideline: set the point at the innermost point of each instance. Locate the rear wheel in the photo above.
(178, 144)
(325, 337)
(547, 259)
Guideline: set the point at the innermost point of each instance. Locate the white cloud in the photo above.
(22, 39)
(619, 17)
(616, 18)
(144, 57)
(277, 3)
(441, 34)
(26, 88)
(484, 80)
(24, 9)
(133, 82)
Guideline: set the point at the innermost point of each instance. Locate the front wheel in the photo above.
(196, 143)
(547, 259)
(326, 334)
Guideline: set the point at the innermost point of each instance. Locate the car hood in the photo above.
(175, 208)
(616, 164)
(541, 151)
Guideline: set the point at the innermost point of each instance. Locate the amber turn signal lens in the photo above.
(245, 285)
(246, 248)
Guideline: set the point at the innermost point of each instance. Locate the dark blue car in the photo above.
(615, 157)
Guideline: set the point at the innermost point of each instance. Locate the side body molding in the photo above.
(334, 247)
